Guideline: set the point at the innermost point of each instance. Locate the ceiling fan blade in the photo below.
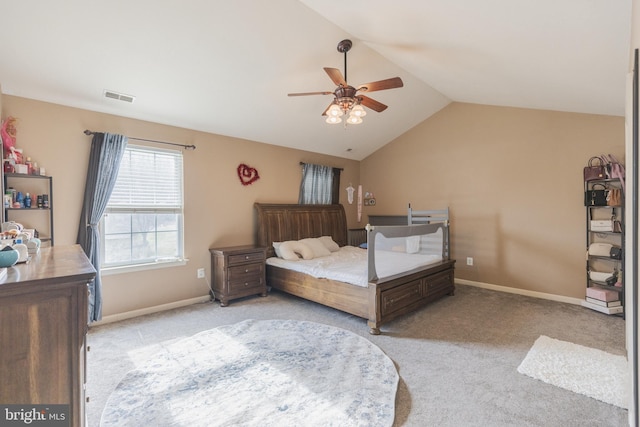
(336, 76)
(311, 93)
(372, 103)
(381, 85)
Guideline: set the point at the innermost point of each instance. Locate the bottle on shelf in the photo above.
(29, 165)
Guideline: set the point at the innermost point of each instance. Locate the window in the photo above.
(319, 185)
(143, 222)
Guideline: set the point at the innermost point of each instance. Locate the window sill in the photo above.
(108, 271)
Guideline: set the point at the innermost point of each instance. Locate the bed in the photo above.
(381, 299)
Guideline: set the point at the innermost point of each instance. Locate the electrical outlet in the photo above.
(469, 260)
(201, 273)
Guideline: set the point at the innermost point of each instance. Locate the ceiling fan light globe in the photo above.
(333, 120)
(358, 111)
(354, 120)
(335, 111)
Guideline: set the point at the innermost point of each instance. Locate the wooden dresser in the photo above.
(43, 324)
(238, 271)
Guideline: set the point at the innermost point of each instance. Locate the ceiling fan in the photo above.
(347, 99)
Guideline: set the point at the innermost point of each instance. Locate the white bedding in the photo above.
(349, 264)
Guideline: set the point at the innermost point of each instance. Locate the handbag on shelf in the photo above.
(596, 196)
(617, 226)
(614, 197)
(598, 276)
(614, 168)
(600, 249)
(595, 171)
(601, 225)
(615, 252)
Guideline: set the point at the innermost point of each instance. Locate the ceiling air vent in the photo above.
(119, 96)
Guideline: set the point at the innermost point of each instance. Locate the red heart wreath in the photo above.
(247, 175)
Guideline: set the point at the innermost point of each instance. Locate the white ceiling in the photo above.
(225, 67)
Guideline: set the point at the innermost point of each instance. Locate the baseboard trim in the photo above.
(149, 310)
(535, 294)
(183, 303)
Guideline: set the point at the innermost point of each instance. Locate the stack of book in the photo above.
(603, 300)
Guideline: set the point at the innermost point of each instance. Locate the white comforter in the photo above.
(349, 264)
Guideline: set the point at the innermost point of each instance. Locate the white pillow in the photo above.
(328, 242)
(413, 244)
(318, 248)
(292, 250)
(276, 247)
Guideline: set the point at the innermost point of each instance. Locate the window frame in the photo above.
(116, 268)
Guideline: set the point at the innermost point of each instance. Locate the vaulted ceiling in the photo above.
(226, 67)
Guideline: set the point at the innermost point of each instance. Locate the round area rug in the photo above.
(260, 373)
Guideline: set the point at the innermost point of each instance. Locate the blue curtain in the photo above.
(104, 161)
(317, 185)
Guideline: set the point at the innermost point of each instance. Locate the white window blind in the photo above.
(150, 180)
(143, 223)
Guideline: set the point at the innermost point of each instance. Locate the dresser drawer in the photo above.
(246, 257)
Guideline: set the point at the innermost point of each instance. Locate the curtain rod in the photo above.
(303, 163)
(186, 147)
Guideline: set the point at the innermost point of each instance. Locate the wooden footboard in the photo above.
(378, 303)
(405, 294)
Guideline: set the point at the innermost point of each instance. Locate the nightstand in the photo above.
(238, 271)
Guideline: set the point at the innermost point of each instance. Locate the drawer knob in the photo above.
(246, 283)
(246, 257)
(246, 270)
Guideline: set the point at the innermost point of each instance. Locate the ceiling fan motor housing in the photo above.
(346, 97)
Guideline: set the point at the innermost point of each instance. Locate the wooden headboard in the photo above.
(282, 222)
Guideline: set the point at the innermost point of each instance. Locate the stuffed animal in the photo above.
(8, 132)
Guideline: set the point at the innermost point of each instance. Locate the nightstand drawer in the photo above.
(246, 257)
(241, 272)
(249, 286)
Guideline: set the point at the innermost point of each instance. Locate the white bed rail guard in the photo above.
(429, 217)
(401, 231)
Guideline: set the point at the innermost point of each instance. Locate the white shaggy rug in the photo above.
(589, 371)
(260, 373)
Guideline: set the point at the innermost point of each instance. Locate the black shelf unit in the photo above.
(34, 184)
(616, 238)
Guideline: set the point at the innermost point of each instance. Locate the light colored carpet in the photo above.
(457, 358)
(588, 371)
(260, 373)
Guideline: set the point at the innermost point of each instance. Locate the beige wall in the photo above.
(513, 180)
(218, 209)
